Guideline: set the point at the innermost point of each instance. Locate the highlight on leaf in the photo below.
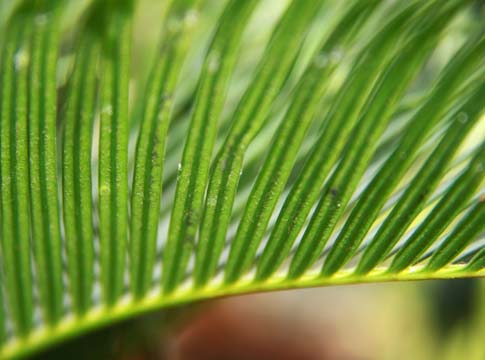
(251, 155)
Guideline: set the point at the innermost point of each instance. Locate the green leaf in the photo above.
(113, 154)
(77, 175)
(43, 164)
(342, 145)
(15, 174)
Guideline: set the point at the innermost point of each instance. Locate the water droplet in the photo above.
(174, 25)
(337, 54)
(321, 60)
(212, 201)
(104, 190)
(165, 98)
(180, 167)
(21, 59)
(191, 17)
(107, 110)
(41, 19)
(213, 62)
(462, 117)
(479, 168)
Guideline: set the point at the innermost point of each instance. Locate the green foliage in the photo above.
(317, 172)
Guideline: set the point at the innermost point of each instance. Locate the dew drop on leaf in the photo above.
(213, 62)
(191, 17)
(21, 59)
(462, 117)
(321, 60)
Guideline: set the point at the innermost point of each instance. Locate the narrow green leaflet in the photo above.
(113, 151)
(42, 161)
(76, 170)
(15, 173)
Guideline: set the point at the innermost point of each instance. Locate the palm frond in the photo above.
(348, 150)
